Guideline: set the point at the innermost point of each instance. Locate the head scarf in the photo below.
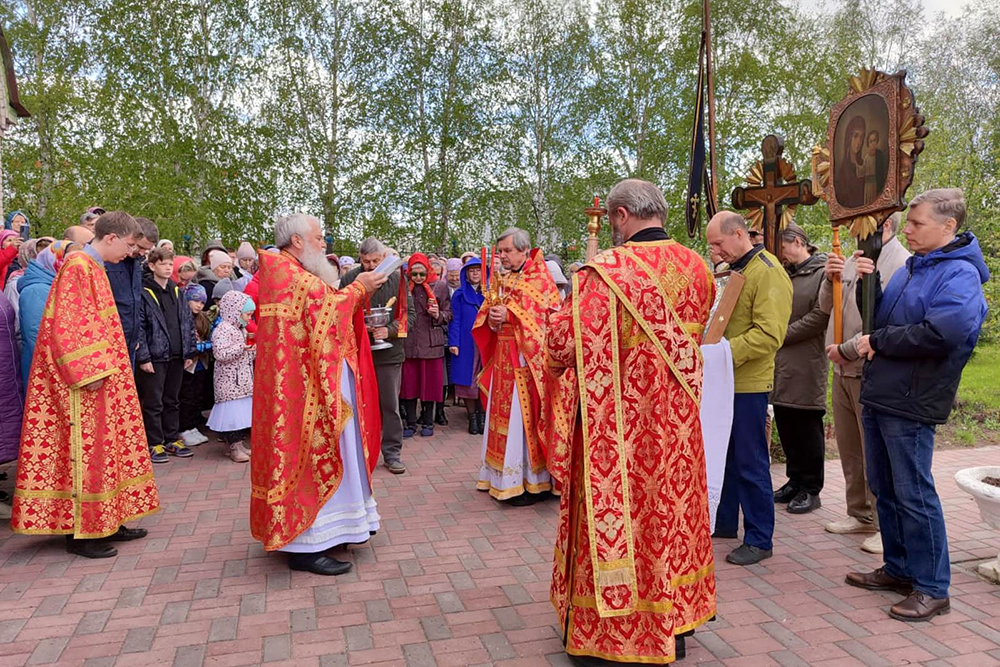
(453, 264)
(466, 256)
(52, 258)
(346, 262)
(8, 223)
(217, 258)
(195, 292)
(165, 242)
(179, 261)
(249, 306)
(421, 258)
(470, 293)
(27, 252)
(5, 233)
(557, 274)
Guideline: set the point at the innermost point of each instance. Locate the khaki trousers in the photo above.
(851, 444)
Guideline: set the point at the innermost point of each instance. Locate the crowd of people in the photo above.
(121, 352)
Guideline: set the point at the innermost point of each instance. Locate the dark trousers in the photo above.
(388, 378)
(804, 443)
(229, 437)
(898, 453)
(426, 412)
(747, 483)
(159, 394)
(196, 397)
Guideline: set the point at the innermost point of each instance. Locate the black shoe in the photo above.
(128, 534)
(90, 548)
(473, 424)
(680, 647)
(804, 503)
(441, 419)
(523, 500)
(481, 423)
(318, 564)
(721, 534)
(747, 555)
(786, 493)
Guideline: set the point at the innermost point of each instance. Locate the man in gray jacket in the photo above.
(847, 366)
(800, 372)
(388, 363)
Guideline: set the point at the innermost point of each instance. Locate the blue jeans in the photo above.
(747, 483)
(898, 454)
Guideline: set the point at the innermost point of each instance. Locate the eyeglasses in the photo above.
(414, 274)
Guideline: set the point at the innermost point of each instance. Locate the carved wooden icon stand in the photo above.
(772, 193)
(884, 103)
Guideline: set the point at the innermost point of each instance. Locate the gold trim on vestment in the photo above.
(514, 491)
(94, 378)
(84, 536)
(70, 357)
(650, 333)
(52, 494)
(642, 659)
(670, 299)
(110, 310)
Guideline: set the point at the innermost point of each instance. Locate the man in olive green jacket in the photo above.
(756, 331)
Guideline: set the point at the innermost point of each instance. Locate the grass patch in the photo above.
(979, 391)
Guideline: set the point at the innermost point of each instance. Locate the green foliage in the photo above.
(434, 124)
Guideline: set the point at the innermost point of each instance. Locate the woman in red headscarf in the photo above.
(423, 370)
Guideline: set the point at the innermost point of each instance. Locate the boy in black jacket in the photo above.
(166, 347)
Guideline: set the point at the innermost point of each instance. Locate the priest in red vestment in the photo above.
(634, 570)
(84, 467)
(510, 334)
(316, 422)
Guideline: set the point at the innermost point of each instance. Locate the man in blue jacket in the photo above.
(927, 323)
(126, 284)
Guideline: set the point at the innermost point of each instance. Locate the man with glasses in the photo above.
(84, 469)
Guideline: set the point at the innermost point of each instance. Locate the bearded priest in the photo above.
(634, 571)
(510, 334)
(316, 421)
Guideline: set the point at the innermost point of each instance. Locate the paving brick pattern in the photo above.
(452, 579)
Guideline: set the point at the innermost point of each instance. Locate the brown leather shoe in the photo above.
(879, 581)
(919, 607)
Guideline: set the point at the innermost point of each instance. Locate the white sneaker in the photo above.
(850, 525)
(244, 447)
(237, 453)
(5, 511)
(873, 544)
(193, 438)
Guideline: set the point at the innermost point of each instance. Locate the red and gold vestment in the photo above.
(306, 329)
(84, 467)
(530, 296)
(633, 559)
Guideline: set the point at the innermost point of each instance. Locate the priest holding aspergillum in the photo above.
(634, 570)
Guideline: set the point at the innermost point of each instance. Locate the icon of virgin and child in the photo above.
(861, 162)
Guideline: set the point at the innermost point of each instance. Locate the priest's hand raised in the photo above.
(371, 281)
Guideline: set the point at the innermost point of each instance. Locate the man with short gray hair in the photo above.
(927, 323)
(846, 389)
(388, 362)
(510, 333)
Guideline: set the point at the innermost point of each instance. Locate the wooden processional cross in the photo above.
(772, 193)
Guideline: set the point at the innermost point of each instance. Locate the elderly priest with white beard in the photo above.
(316, 421)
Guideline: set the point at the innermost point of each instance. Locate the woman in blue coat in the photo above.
(33, 293)
(465, 363)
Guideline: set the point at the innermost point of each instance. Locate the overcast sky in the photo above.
(951, 8)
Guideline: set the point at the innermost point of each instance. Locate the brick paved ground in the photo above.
(451, 579)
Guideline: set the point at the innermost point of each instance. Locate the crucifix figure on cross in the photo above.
(772, 193)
